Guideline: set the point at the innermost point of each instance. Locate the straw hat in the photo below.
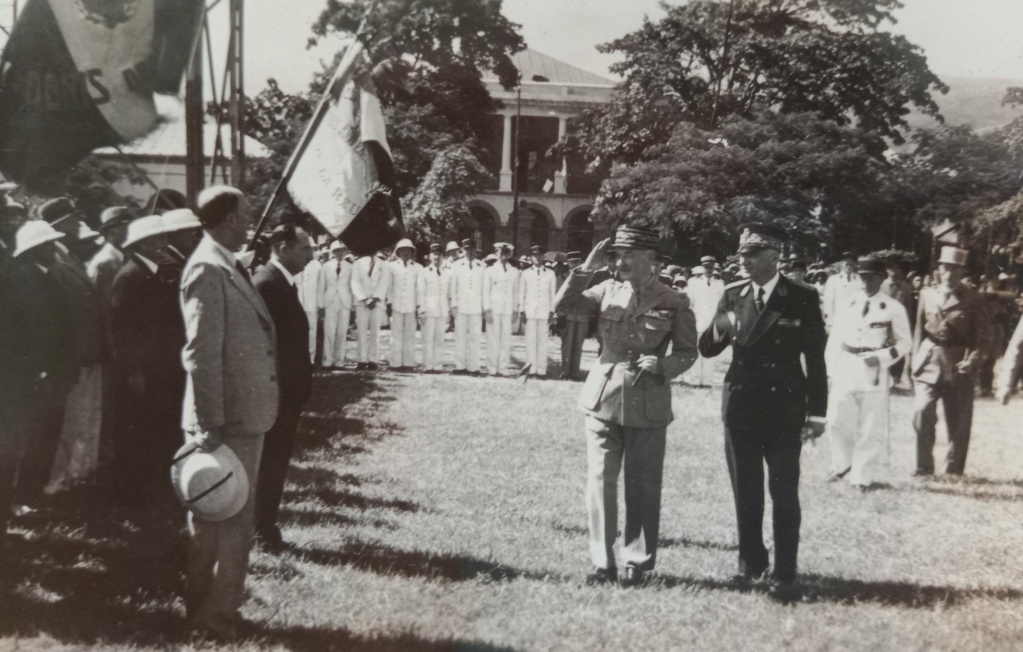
(212, 485)
(34, 233)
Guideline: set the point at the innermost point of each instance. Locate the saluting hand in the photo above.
(597, 257)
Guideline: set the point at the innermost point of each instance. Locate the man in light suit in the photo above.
(403, 298)
(536, 303)
(336, 301)
(466, 300)
(500, 294)
(371, 281)
(231, 399)
(433, 309)
(627, 396)
(277, 283)
(769, 405)
(310, 291)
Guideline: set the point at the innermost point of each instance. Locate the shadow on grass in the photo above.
(303, 639)
(385, 560)
(683, 542)
(837, 590)
(335, 498)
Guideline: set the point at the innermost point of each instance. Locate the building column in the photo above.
(561, 175)
(506, 155)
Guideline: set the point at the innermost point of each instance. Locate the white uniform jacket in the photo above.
(336, 288)
(371, 278)
(404, 286)
(466, 293)
(500, 289)
(537, 286)
(867, 327)
(309, 283)
(433, 291)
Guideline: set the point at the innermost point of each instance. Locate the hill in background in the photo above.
(976, 102)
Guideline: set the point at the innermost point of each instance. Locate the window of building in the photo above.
(539, 229)
(579, 233)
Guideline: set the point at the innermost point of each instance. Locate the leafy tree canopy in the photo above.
(710, 59)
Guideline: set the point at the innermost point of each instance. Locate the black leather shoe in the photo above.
(921, 474)
(633, 577)
(600, 576)
(785, 591)
(745, 580)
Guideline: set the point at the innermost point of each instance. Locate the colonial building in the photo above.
(555, 196)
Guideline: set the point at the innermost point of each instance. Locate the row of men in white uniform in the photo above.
(425, 296)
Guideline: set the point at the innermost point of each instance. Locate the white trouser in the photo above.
(311, 316)
(857, 425)
(468, 331)
(403, 339)
(367, 325)
(499, 343)
(336, 319)
(537, 339)
(433, 341)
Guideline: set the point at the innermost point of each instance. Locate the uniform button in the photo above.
(773, 389)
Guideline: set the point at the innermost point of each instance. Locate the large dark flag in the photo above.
(342, 172)
(81, 74)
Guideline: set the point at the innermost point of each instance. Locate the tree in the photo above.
(440, 204)
(803, 171)
(710, 59)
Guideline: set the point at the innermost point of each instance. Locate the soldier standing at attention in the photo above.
(537, 287)
(953, 336)
(769, 406)
(870, 335)
(627, 396)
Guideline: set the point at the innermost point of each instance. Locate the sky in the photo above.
(971, 38)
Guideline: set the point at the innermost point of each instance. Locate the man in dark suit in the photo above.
(147, 331)
(627, 396)
(769, 406)
(291, 252)
(45, 361)
(953, 336)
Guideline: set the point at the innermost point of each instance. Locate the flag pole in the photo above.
(343, 74)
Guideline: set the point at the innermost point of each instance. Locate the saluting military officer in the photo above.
(953, 336)
(627, 396)
(871, 334)
(768, 405)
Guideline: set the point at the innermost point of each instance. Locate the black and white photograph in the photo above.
(511, 325)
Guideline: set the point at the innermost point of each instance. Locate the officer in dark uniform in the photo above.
(627, 395)
(769, 406)
(953, 336)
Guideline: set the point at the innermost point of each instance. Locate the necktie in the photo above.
(244, 272)
(866, 308)
(372, 263)
(339, 268)
(760, 299)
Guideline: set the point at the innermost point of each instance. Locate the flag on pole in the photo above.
(80, 74)
(342, 172)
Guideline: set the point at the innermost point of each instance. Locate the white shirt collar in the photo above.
(224, 251)
(287, 275)
(768, 287)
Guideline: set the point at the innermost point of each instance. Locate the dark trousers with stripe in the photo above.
(747, 451)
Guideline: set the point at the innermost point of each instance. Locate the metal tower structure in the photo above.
(229, 99)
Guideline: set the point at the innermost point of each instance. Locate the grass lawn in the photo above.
(429, 512)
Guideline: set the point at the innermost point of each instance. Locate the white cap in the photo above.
(213, 486)
(452, 246)
(34, 233)
(404, 243)
(142, 228)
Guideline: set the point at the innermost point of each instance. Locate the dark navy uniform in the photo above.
(765, 403)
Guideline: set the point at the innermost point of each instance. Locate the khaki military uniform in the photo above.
(627, 413)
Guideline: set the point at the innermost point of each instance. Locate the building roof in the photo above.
(168, 140)
(532, 63)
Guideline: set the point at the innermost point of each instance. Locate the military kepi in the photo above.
(635, 237)
(953, 256)
(756, 235)
(871, 265)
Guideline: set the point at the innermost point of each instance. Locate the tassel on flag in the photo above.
(342, 172)
(78, 75)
